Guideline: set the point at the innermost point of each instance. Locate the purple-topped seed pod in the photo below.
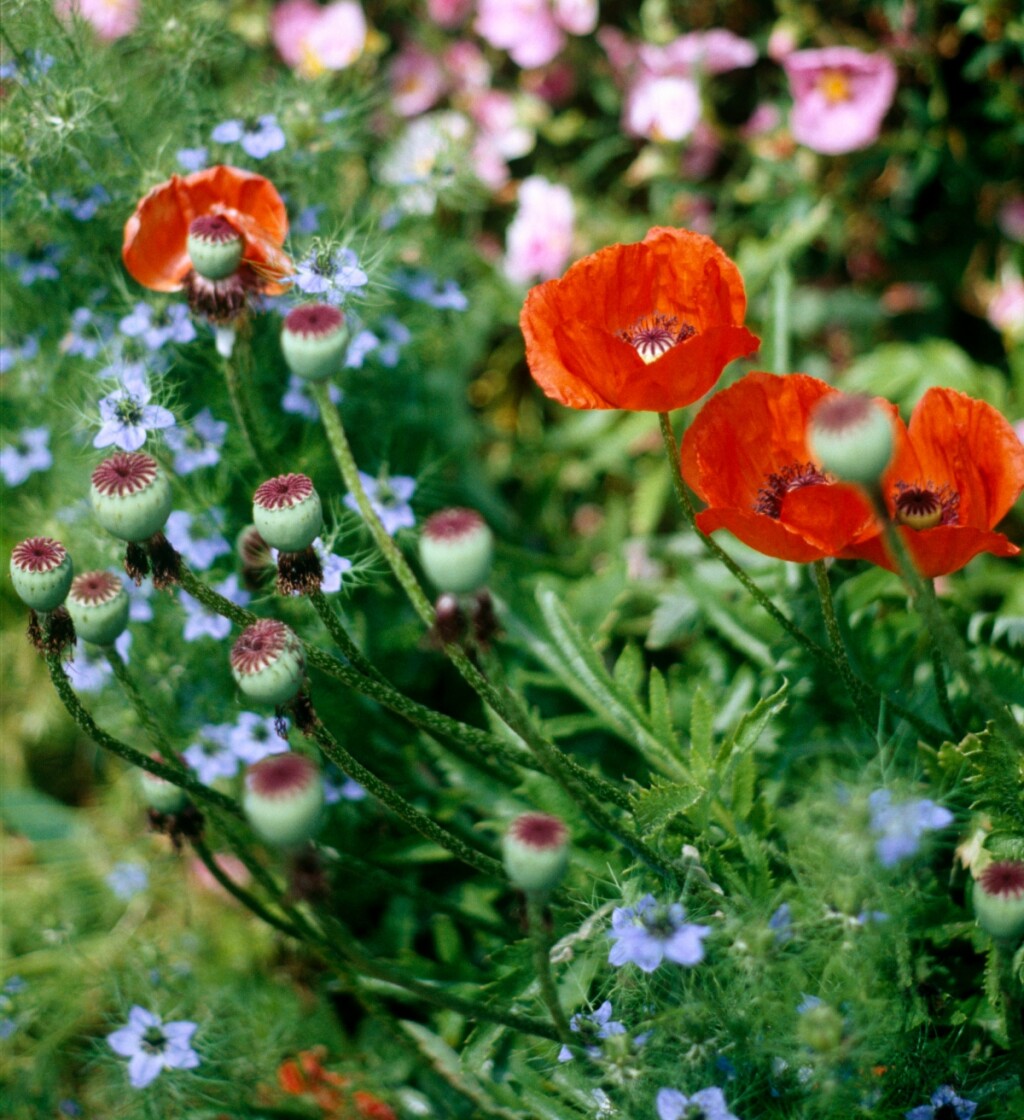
(98, 605)
(254, 556)
(535, 852)
(131, 498)
(214, 246)
(284, 799)
(288, 516)
(41, 571)
(455, 550)
(313, 340)
(852, 437)
(267, 662)
(998, 899)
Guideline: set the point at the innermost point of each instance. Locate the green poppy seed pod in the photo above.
(98, 605)
(214, 246)
(287, 513)
(852, 437)
(159, 793)
(41, 572)
(535, 852)
(284, 799)
(820, 1028)
(313, 340)
(267, 662)
(131, 496)
(455, 550)
(998, 899)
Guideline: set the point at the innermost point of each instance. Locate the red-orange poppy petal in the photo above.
(972, 447)
(936, 552)
(155, 236)
(770, 537)
(573, 326)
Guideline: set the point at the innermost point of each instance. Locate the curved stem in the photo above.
(942, 690)
(542, 966)
(238, 379)
(835, 637)
(171, 774)
(343, 640)
(408, 812)
(248, 900)
(146, 717)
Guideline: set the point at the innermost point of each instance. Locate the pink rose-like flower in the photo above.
(1005, 309)
(417, 79)
(312, 40)
(578, 17)
(539, 240)
(525, 28)
(662, 107)
(840, 96)
(448, 13)
(502, 134)
(110, 19)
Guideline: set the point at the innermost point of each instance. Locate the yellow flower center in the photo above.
(835, 86)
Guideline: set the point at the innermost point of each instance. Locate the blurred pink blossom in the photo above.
(539, 239)
(710, 52)
(840, 96)
(418, 81)
(467, 67)
(702, 152)
(533, 31)
(764, 119)
(110, 19)
(662, 107)
(1005, 309)
(311, 39)
(781, 42)
(1011, 218)
(230, 865)
(504, 132)
(448, 13)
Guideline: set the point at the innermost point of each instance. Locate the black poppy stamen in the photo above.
(924, 507)
(654, 335)
(780, 483)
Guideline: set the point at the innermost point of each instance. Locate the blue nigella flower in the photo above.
(199, 551)
(308, 219)
(175, 325)
(128, 416)
(389, 500)
(33, 64)
(597, 1025)
(340, 787)
(781, 923)
(648, 933)
(899, 827)
(30, 453)
(83, 209)
(192, 159)
(39, 266)
(89, 669)
(153, 1046)
(257, 141)
(332, 277)
(945, 1105)
(707, 1104)
(200, 622)
(252, 738)
(127, 879)
(88, 334)
(10, 356)
(396, 335)
(211, 756)
(424, 287)
(199, 447)
(298, 402)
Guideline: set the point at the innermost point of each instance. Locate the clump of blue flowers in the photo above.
(705, 1104)
(899, 828)
(945, 1105)
(650, 932)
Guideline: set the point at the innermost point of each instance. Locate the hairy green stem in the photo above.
(238, 379)
(176, 776)
(343, 640)
(146, 718)
(248, 900)
(835, 637)
(542, 965)
(942, 691)
(408, 812)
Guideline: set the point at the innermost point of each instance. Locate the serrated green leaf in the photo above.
(673, 619)
(629, 670)
(653, 808)
(752, 723)
(744, 782)
(661, 707)
(702, 721)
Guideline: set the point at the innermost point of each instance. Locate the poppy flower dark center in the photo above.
(924, 507)
(947, 1112)
(283, 492)
(212, 227)
(780, 483)
(654, 335)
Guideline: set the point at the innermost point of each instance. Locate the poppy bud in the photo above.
(535, 852)
(41, 572)
(267, 662)
(98, 605)
(131, 496)
(998, 898)
(160, 794)
(284, 799)
(214, 246)
(851, 437)
(313, 341)
(287, 513)
(455, 550)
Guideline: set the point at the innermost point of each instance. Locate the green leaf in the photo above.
(752, 723)
(661, 707)
(629, 670)
(653, 808)
(38, 817)
(702, 721)
(673, 618)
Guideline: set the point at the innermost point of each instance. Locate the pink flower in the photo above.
(110, 19)
(467, 67)
(417, 80)
(539, 239)
(840, 97)
(502, 134)
(311, 39)
(662, 107)
(578, 17)
(710, 52)
(1005, 309)
(1011, 218)
(525, 28)
(448, 13)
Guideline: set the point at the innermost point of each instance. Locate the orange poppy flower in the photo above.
(648, 326)
(155, 237)
(957, 470)
(746, 456)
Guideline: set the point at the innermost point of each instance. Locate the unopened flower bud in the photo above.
(98, 605)
(267, 662)
(41, 572)
(131, 496)
(852, 437)
(535, 851)
(455, 550)
(287, 512)
(313, 341)
(214, 246)
(998, 898)
(284, 799)
(160, 794)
